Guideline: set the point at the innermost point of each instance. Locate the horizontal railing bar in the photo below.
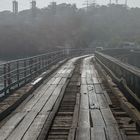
(15, 73)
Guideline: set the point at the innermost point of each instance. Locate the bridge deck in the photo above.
(95, 120)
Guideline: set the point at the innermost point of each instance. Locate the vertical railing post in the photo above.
(9, 76)
(39, 59)
(46, 61)
(43, 62)
(50, 58)
(17, 63)
(5, 78)
(63, 54)
(35, 66)
(31, 66)
(25, 71)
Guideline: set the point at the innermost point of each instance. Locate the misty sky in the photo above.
(24, 4)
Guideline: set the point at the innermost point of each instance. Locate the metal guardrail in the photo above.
(125, 75)
(17, 73)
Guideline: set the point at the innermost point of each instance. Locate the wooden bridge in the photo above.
(69, 95)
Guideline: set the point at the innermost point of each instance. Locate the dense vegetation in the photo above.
(36, 31)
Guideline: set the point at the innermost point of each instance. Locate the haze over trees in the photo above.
(57, 26)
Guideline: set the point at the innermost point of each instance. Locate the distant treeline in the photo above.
(64, 25)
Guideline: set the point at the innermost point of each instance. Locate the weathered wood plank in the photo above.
(93, 102)
(76, 112)
(84, 120)
(17, 134)
(63, 81)
(93, 74)
(97, 119)
(49, 120)
(98, 88)
(84, 97)
(50, 81)
(89, 80)
(36, 127)
(98, 133)
(83, 81)
(29, 105)
(108, 117)
(113, 133)
(107, 98)
(83, 134)
(72, 134)
(42, 101)
(102, 101)
(56, 81)
(10, 125)
(96, 80)
(49, 105)
(30, 122)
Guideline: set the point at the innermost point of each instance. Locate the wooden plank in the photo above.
(47, 124)
(63, 81)
(50, 103)
(89, 80)
(108, 117)
(41, 102)
(17, 127)
(84, 97)
(93, 102)
(123, 135)
(93, 74)
(84, 120)
(98, 89)
(96, 80)
(98, 133)
(72, 134)
(56, 81)
(62, 70)
(113, 133)
(17, 134)
(83, 81)
(29, 105)
(107, 98)
(102, 101)
(76, 112)
(83, 134)
(67, 75)
(51, 80)
(36, 127)
(83, 72)
(10, 125)
(96, 117)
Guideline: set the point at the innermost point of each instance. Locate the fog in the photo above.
(57, 26)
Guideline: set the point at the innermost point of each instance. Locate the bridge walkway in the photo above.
(92, 116)
(96, 121)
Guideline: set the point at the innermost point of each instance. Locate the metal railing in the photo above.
(125, 75)
(17, 73)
